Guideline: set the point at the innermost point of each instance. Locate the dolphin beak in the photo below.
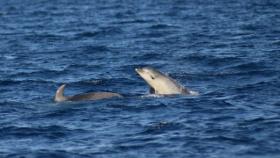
(139, 70)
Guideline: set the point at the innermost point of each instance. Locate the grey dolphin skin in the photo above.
(162, 84)
(59, 96)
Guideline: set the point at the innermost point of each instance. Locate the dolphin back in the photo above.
(59, 95)
(93, 96)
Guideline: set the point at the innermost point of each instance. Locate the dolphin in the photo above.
(162, 84)
(59, 95)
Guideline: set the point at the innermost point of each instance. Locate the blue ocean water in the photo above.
(229, 51)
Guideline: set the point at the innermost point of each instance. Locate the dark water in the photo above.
(229, 51)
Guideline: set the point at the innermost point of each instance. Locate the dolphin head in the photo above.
(161, 83)
(149, 74)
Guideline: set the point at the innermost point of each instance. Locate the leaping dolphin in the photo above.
(162, 84)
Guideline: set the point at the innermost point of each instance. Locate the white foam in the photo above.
(151, 96)
(194, 93)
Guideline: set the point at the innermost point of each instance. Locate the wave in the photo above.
(52, 132)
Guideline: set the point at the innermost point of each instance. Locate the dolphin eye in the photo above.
(152, 77)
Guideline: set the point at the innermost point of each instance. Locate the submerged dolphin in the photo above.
(161, 83)
(59, 96)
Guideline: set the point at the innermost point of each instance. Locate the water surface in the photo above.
(228, 51)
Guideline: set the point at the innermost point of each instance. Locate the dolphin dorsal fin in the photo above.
(59, 95)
